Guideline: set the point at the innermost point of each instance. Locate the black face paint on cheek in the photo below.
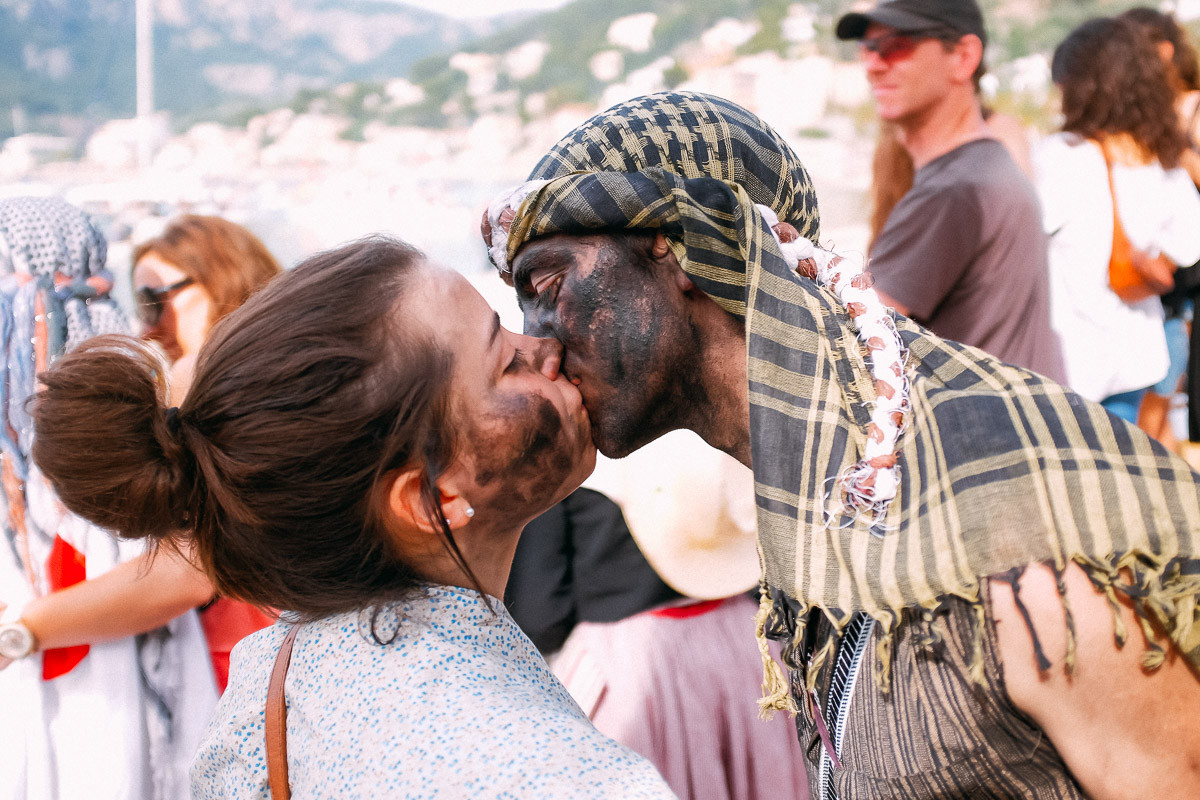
(523, 454)
(616, 320)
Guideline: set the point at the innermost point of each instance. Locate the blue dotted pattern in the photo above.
(459, 705)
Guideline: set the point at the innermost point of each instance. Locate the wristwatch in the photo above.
(16, 640)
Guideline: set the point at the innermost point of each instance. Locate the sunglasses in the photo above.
(150, 301)
(892, 47)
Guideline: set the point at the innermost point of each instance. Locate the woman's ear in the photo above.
(406, 501)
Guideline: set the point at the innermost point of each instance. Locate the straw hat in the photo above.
(691, 511)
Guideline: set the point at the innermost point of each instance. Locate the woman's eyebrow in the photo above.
(495, 330)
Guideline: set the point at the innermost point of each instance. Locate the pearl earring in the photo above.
(470, 512)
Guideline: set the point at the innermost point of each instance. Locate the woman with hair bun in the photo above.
(1115, 161)
(361, 446)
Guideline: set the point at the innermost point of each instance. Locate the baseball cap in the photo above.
(916, 16)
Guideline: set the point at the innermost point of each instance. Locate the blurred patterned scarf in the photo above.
(995, 467)
(54, 293)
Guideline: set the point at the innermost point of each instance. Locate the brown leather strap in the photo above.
(276, 727)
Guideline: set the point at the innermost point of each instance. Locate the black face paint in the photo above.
(523, 453)
(626, 336)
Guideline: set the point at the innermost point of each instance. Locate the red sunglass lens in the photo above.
(890, 48)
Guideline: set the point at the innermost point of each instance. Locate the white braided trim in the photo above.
(866, 488)
(500, 214)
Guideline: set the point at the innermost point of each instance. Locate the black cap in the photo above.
(916, 16)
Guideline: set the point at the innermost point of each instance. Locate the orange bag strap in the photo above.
(1121, 248)
(276, 722)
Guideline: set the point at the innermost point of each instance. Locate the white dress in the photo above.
(457, 704)
(124, 724)
(1109, 346)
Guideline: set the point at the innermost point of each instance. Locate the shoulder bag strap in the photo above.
(1121, 246)
(276, 722)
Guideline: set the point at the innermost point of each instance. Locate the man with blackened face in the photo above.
(910, 490)
(625, 314)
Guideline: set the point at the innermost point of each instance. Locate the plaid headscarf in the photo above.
(999, 467)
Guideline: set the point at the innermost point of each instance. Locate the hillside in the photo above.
(574, 54)
(68, 64)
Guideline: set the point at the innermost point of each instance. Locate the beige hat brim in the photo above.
(691, 511)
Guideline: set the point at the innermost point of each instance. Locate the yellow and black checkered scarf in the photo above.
(1000, 468)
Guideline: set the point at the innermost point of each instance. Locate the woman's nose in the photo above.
(547, 356)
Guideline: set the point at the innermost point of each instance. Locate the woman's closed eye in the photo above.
(519, 361)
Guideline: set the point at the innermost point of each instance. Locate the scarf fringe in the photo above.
(1163, 594)
(776, 695)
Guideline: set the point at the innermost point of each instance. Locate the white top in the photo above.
(124, 724)
(458, 704)
(1109, 346)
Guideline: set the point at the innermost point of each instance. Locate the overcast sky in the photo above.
(470, 9)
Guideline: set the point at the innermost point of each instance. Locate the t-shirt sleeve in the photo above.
(925, 247)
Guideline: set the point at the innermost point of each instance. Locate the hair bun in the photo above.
(107, 443)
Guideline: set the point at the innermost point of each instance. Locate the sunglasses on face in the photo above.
(150, 300)
(892, 47)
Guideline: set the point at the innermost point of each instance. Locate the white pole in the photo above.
(144, 10)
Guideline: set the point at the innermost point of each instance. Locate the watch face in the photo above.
(15, 641)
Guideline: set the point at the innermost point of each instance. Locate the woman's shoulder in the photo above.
(1063, 151)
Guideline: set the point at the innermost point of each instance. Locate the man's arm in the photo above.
(1122, 731)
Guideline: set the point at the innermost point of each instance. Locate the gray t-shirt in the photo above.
(965, 252)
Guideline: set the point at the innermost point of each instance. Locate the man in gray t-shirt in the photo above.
(963, 252)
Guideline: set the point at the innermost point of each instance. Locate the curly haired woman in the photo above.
(1119, 131)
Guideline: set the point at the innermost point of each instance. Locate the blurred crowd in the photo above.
(1072, 256)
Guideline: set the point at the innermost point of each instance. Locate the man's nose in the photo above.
(871, 61)
(546, 355)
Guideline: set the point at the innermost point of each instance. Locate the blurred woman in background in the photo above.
(185, 280)
(188, 278)
(1116, 160)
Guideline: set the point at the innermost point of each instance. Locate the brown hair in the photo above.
(1113, 82)
(1162, 27)
(891, 177)
(306, 399)
(228, 261)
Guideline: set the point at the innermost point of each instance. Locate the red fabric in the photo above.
(226, 622)
(690, 610)
(65, 567)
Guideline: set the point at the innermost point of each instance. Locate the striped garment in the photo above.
(941, 734)
(999, 467)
